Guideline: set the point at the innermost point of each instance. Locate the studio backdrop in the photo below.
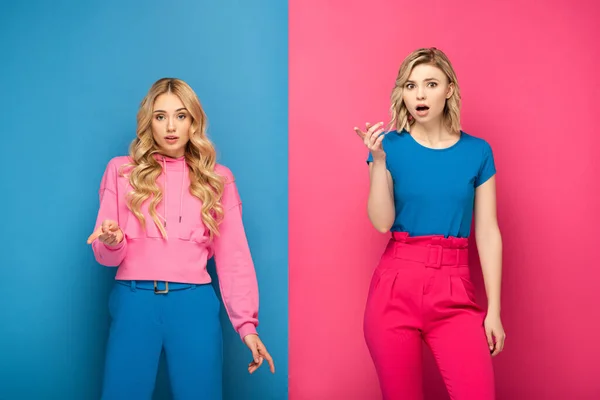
(72, 76)
(528, 78)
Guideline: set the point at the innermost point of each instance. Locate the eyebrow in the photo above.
(163, 111)
(426, 80)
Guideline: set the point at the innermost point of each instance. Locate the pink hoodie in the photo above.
(182, 256)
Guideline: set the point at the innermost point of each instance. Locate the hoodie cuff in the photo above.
(247, 329)
(116, 247)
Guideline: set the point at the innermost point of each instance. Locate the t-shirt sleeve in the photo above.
(488, 166)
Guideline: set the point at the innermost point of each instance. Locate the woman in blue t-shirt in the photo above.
(427, 179)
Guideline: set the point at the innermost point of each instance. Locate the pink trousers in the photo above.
(421, 290)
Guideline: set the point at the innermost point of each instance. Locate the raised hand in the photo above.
(108, 233)
(372, 138)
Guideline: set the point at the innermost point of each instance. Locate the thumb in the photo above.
(110, 225)
(490, 339)
(254, 349)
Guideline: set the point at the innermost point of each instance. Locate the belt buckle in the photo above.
(438, 259)
(156, 291)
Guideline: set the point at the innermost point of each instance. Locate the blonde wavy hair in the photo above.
(200, 157)
(400, 117)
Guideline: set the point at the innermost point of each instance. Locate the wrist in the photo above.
(493, 310)
(379, 160)
(116, 246)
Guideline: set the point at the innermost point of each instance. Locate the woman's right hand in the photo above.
(372, 138)
(108, 233)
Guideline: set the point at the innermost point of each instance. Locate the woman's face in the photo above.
(425, 93)
(171, 124)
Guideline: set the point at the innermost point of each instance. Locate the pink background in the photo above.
(529, 80)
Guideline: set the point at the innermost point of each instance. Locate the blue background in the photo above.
(72, 77)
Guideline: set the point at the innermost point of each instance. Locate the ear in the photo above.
(450, 90)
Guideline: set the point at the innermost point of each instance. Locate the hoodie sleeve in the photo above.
(234, 265)
(109, 256)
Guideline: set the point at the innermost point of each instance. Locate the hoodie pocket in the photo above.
(192, 231)
(134, 230)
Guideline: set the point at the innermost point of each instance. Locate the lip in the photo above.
(171, 137)
(422, 113)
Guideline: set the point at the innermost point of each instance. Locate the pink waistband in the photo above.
(433, 251)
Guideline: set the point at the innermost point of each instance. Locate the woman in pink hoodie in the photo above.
(165, 210)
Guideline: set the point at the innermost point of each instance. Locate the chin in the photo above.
(429, 118)
(172, 150)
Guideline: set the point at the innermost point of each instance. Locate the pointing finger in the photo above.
(269, 360)
(359, 132)
(94, 235)
(372, 128)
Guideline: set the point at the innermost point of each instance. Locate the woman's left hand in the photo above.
(495, 333)
(259, 353)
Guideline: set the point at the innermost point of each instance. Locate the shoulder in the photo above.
(231, 196)
(113, 172)
(118, 162)
(225, 172)
(476, 143)
(115, 165)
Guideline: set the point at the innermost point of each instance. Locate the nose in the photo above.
(170, 125)
(421, 93)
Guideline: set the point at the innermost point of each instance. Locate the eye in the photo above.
(160, 117)
(410, 86)
(432, 84)
(182, 116)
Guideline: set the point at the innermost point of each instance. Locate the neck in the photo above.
(433, 133)
(174, 155)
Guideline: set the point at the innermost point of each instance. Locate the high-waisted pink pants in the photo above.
(421, 290)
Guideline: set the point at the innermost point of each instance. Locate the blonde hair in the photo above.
(401, 119)
(200, 157)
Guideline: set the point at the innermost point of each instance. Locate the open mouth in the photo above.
(422, 108)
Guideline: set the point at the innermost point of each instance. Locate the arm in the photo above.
(109, 256)
(234, 265)
(489, 242)
(380, 206)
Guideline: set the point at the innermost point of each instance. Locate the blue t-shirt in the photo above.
(434, 189)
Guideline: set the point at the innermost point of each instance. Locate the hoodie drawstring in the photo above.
(165, 196)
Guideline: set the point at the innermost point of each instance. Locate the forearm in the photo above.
(489, 246)
(380, 206)
(109, 256)
(237, 276)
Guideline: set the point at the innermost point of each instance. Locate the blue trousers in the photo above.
(184, 322)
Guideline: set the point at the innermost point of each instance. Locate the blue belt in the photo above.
(159, 287)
